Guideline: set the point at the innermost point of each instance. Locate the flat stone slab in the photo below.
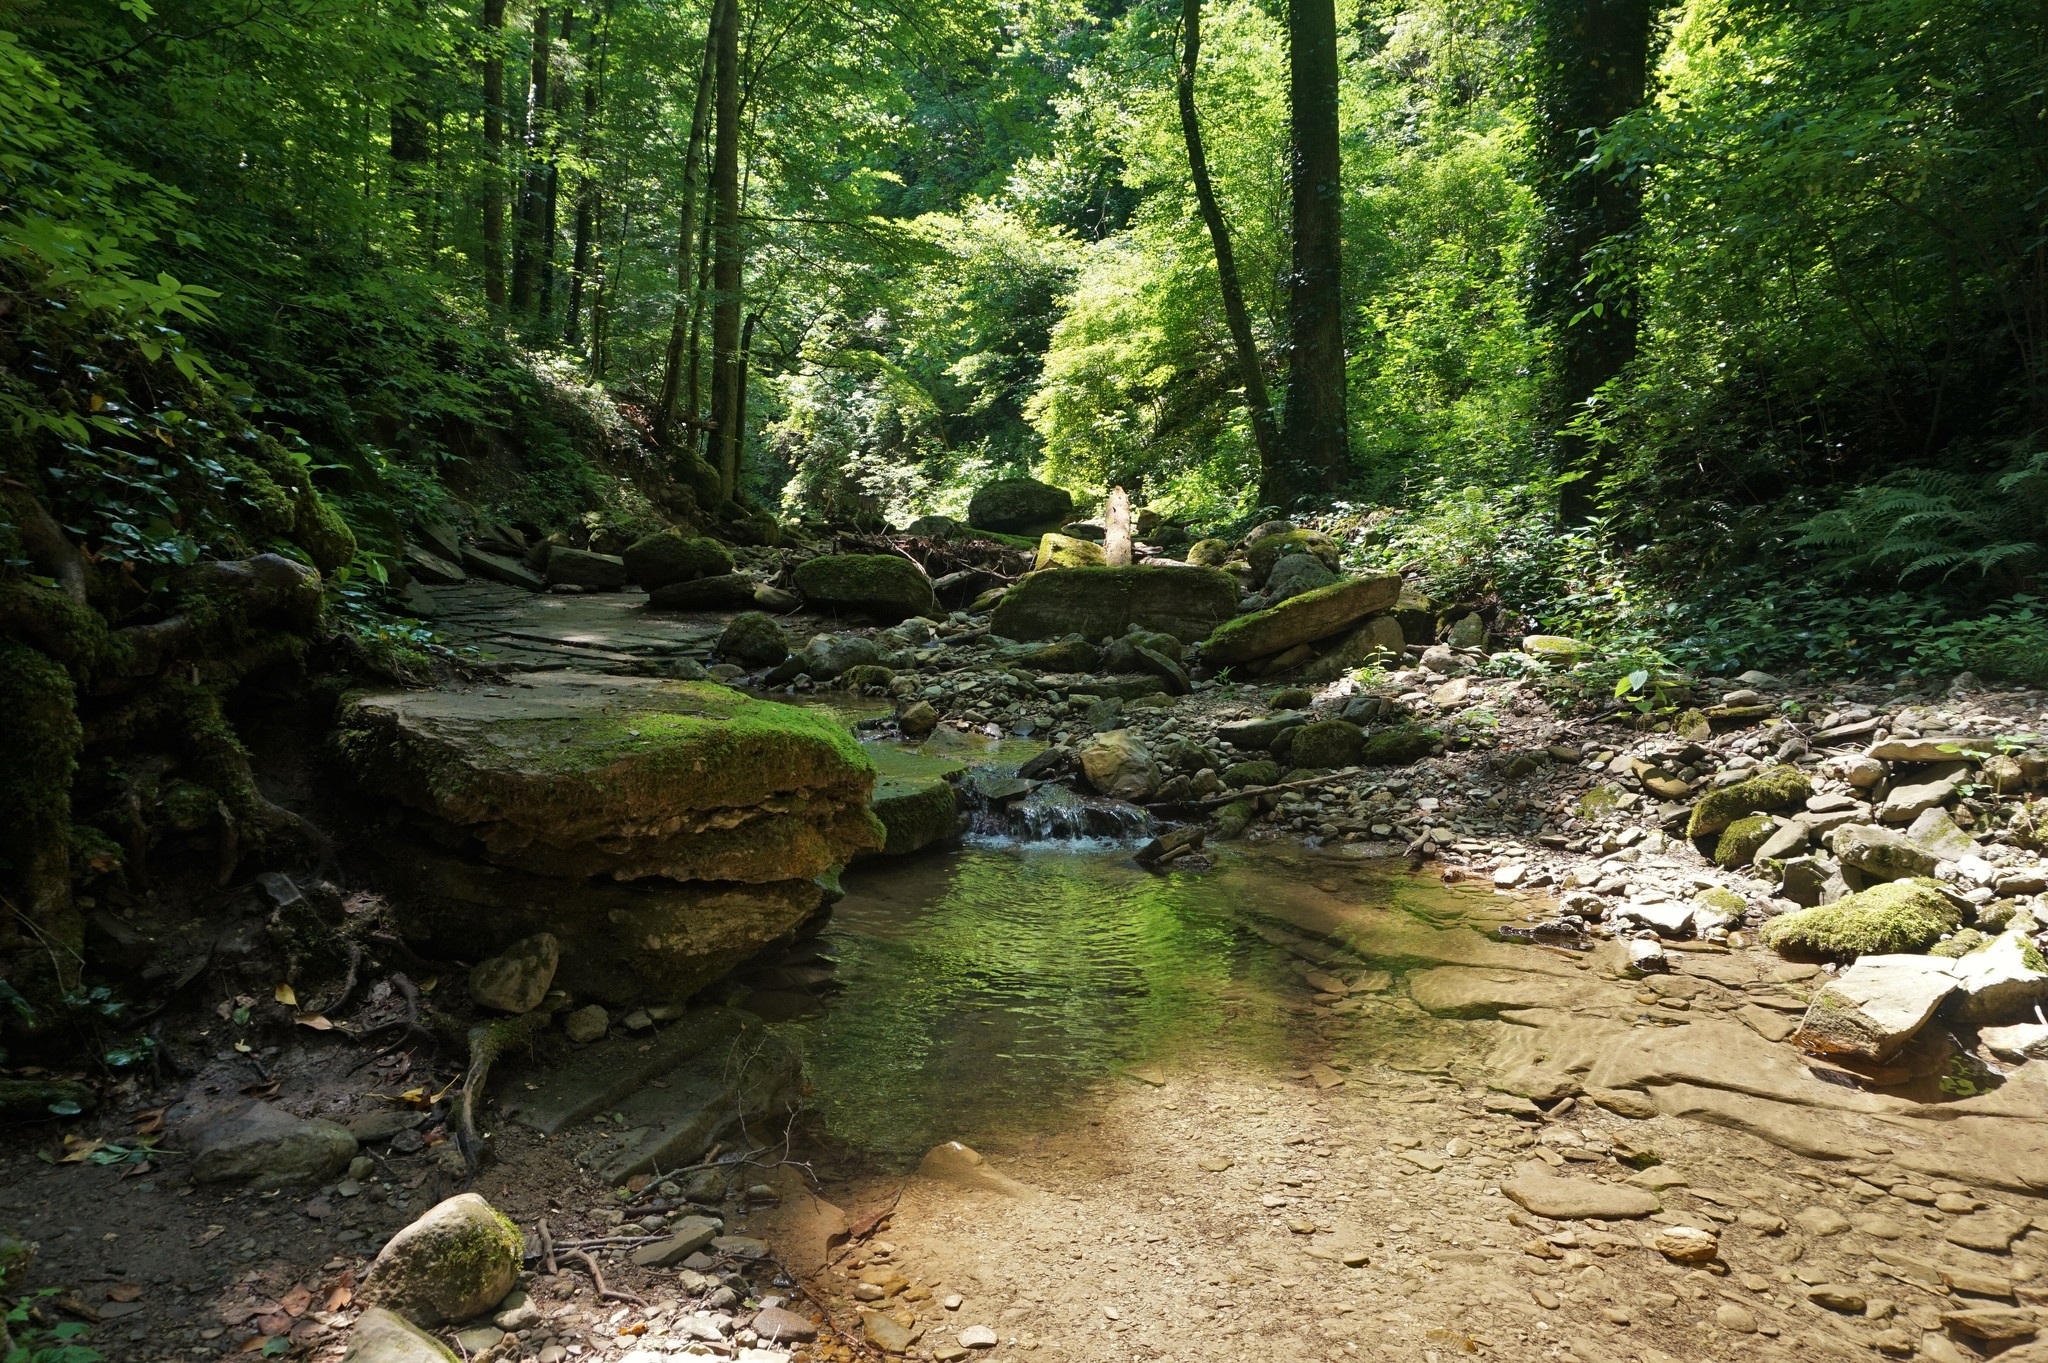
(588, 774)
(1577, 1199)
(1874, 1008)
(668, 1096)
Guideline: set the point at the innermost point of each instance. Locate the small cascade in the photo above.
(1054, 813)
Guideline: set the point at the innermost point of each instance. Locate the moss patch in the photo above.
(1399, 746)
(1904, 915)
(1770, 792)
(669, 557)
(1739, 840)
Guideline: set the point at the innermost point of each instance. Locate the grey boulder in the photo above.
(256, 1143)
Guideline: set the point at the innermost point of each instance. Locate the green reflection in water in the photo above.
(984, 987)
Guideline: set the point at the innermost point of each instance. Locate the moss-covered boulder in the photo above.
(1295, 574)
(1327, 743)
(1062, 655)
(1739, 840)
(1555, 648)
(1243, 775)
(1399, 746)
(453, 1264)
(1771, 792)
(881, 585)
(1265, 553)
(916, 812)
(1208, 553)
(1185, 602)
(568, 774)
(669, 556)
(753, 639)
(1301, 620)
(1378, 639)
(1019, 506)
(1066, 551)
(867, 677)
(1900, 916)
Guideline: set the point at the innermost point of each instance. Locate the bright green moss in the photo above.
(1902, 915)
(1771, 792)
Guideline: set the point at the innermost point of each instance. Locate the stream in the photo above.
(975, 992)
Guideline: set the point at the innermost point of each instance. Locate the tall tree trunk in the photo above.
(1316, 437)
(693, 376)
(534, 118)
(557, 120)
(494, 156)
(745, 363)
(1593, 62)
(1264, 434)
(587, 188)
(665, 409)
(726, 262)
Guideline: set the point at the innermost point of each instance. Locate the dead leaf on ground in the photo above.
(296, 1301)
(339, 1297)
(210, 1233)
(266, 1089)
(150, 1121)
(286, 995)
(317, 1021)
(254, 1343)
(77, 1148)
(125, 1292)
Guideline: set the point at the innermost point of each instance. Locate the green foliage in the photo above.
(35, 1340)
(1939, 523)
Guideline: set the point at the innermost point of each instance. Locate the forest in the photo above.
(1599, 369)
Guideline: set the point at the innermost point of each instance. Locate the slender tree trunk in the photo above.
(558, 108)
(693, 376)
(1264, 434)
(1593, 60)
(494, 157)
(533, 189)
(587, 188)
(745, 364)
(726, 263)
(665, 409)
(1316, 436)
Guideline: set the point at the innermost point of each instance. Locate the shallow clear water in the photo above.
(982, 988)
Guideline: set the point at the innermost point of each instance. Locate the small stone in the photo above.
(517, 978)
(977, 1337)
(1992, 1322)
(477, 1338)
(686, 1237)
(776, 1324)
(516, 1312)
(587, 1024)
(382, 1336)
(1686, 1244)
(1837, 1297)
(1735, 1319)
(1820, 1221)
(1992, 1231)
(885, 1332)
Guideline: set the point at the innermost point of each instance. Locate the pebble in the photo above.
(1735, 1319)
(978, 1337)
